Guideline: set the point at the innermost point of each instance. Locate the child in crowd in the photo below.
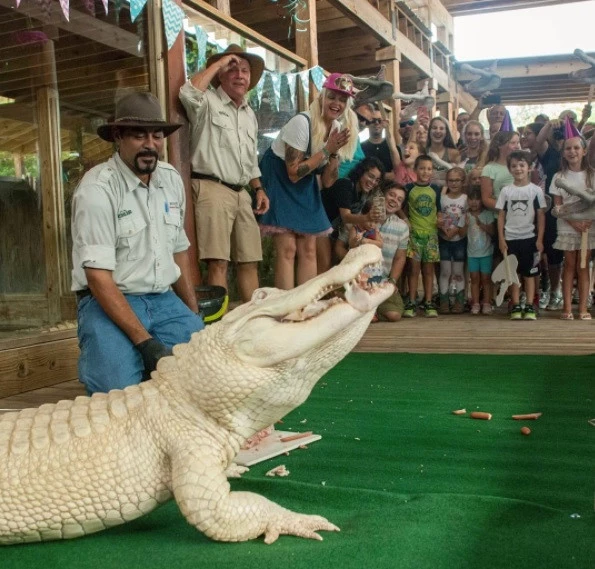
(395, 238)
(519, 205)
(452, 241)
(495, 174)
(480, 249)
(404, 169)
(369, 234)
(575, 171)
(392, 237)
(423, 204)
(473, 179)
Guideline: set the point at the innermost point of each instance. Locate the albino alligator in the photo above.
(421, 98)
(586, 75)
(487, 81)
(583, 209)
(81, 466)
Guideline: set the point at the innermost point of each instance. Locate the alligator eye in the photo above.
(259, 294)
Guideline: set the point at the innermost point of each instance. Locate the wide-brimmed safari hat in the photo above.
(140, 110)
(256, 64)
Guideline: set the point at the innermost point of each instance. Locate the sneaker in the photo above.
(544, 299)
(430, 310)
(486, 309)
(555, 302)
(476, 308)
(410, 309)
(517, 312)
(444, 305)
(529, 313)
(459, 304)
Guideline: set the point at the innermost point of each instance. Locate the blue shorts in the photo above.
(108, 359)
(453, 250)
(481, 265)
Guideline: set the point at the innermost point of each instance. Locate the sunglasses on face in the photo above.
(376, 121)
(406, 123)
(363, 119)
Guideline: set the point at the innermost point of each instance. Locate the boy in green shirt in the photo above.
(423, 205)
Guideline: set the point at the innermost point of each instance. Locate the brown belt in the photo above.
(199, 176)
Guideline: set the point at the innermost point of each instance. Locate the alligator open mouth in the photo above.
(358, 292)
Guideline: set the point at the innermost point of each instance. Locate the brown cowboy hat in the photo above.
(256, 64)
(140, 110)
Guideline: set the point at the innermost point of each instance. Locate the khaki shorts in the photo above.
(226, 228)
(392, 304)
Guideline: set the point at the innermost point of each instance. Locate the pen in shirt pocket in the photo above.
(166, 207)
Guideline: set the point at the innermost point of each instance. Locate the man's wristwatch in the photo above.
(392, 281)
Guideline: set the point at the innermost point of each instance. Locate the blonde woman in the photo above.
(311, 143)
(475, 152)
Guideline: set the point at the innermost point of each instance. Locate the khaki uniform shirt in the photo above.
(223, 137)
(121, 225)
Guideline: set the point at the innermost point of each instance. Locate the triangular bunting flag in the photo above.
(201, 42)
(105, 4)
(291, 81)
(90, 6)
(260, 86)
(46, 9)
(305, 79)
(276, 93)
(65, 5)
(136, 7)
(173, 21)
(317, 77)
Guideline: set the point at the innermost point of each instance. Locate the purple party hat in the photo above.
(570, 131)
(506, 125)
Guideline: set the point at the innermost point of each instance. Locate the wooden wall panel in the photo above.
(40, 365)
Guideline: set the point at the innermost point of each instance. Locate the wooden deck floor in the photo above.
(461, 334)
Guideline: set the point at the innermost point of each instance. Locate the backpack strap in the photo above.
(309, 149)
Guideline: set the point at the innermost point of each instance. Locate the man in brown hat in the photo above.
(129, 251)
(224, 135)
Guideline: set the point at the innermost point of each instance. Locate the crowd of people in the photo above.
(443, 205)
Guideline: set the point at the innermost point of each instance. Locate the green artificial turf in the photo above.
(410, 484)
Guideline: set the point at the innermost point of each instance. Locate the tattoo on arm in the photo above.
(302, 170)
(294, 158)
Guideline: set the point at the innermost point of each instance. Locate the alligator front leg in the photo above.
(206, 501)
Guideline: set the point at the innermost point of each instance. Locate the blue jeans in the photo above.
(108, 358)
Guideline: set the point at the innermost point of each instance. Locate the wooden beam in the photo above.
(82, 24)
(468, 7)
(178, 147)
(306, 42)
(367, 18)
(54, 224)
(245, 31)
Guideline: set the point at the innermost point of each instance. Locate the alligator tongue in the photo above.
(358, 297)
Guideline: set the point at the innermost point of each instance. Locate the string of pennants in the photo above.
(268, 88)
(173, 15)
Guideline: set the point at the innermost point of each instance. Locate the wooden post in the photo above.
(306, 43)
(390, 57)
(178, 143)
(50, 171)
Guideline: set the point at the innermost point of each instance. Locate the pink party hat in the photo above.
(506, 125)
(570, 131)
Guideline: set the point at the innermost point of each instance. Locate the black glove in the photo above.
(152, 351)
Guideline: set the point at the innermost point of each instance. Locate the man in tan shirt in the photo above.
(224, 158)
